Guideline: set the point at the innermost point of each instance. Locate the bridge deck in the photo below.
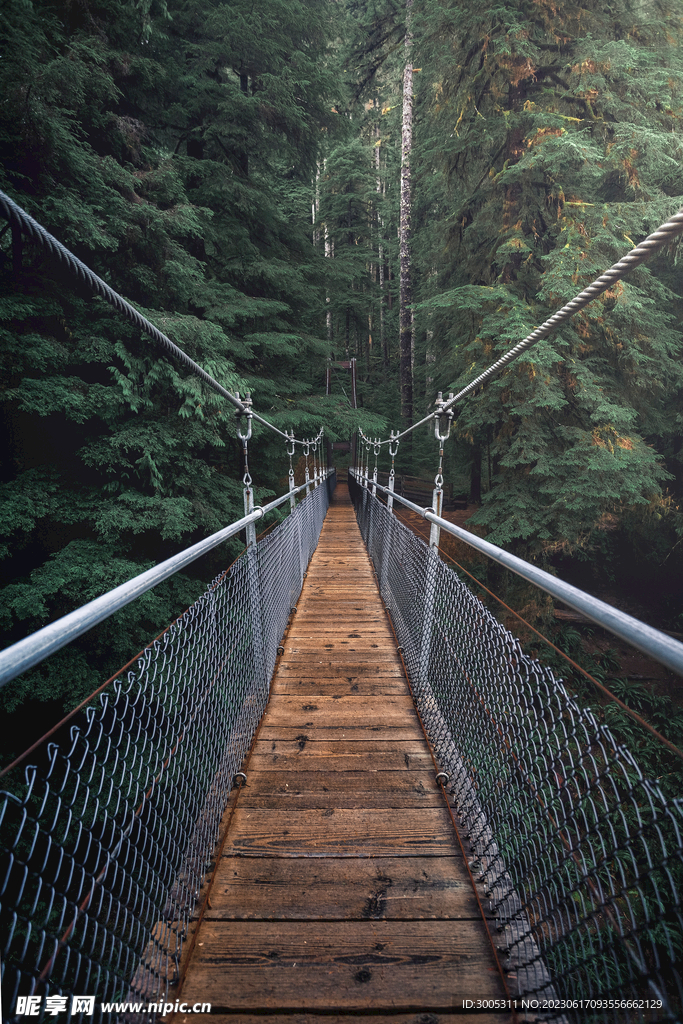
(341, 891)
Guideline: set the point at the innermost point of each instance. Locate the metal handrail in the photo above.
(663, 648)
(33, 649)
(577, 846)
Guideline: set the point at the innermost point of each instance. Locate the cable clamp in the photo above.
(443, 777)
(441, 411)
(244, 412)
(280, 649)
(239, 775)
(393, 444)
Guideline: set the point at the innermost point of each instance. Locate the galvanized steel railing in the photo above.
(107, 834)
(580, 854)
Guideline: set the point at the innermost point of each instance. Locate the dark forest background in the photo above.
(234, 170)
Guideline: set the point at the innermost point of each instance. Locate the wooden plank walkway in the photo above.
(341, 892)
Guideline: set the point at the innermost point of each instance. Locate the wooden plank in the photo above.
(307, 889)
(361, 760)
(302, 628)
(350, 729)
(324, 647)
(382, 636)
(308, 687)
(342, 659)
(401, 703)
(341, 832)
(339, 720)
(341, 789)
(301, 745)
(284, 705)
(332, 670)
(307, 965)
(337, 623)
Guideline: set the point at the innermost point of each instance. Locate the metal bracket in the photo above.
(393, 444)
(440, 412)
(238, 415)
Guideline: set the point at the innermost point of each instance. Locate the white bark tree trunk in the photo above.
(405, 284)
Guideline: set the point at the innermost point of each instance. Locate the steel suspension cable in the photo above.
(18, 217)
(667, 232)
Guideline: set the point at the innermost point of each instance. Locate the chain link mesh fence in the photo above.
(580, 855)
(107, 834)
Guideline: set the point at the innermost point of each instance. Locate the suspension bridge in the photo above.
(336, 787)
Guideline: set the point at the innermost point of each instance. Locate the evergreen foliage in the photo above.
(234, 170)
(549, 144)
(172, 146)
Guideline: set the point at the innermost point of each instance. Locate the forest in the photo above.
(287, 185)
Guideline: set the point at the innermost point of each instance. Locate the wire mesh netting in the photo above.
(106, 836)
(580, 855)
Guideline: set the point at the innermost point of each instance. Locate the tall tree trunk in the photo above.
(329, 254)
(380, 252)
(315, 207)
(405, 287)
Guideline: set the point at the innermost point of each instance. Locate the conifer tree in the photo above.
(406, 291)
(173, 147)
(555, 137)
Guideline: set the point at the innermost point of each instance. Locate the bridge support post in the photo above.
(437, 505)
(257, 631)
(249, 507)
(386, 544)
(431, 565)
(393, 451)
(290, 452)
(437, 495)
